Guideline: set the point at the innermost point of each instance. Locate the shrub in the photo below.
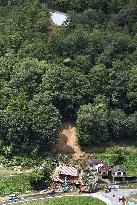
(40, 178)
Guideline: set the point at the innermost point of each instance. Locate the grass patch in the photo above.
(128, 186)
(4, 172)
(68, 201)
(134, 196)
(15, 184)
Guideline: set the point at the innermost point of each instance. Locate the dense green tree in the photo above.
(118, 79)
(45, 121)
(118, 123)
(132, 88)
(36, 89)
(36, 47)
(27, 75)
(126, 17)
(15, 122)
(7, 62)
(6, 94)
(83, 63)
(92, 123)
(68, 88)
(81, 5)
(69, 44)
(29, 125)
(132, 126)
(26, 19)
(87, 19)
(98, 77)
(119, 46)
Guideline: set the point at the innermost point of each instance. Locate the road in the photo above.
(106, 197)
(120, 192)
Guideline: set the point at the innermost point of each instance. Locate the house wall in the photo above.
(104, 173)
(118, 174)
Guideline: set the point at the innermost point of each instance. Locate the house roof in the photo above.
(68, 170)
(93, 161)
(117, 168)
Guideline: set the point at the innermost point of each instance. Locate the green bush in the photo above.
(40, 178)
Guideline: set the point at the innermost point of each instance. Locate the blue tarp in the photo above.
(132, 203)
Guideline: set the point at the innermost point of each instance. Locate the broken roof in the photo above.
(68, 170)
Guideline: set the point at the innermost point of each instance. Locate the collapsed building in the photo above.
(63, 171)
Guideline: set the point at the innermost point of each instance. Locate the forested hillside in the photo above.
(96, 87)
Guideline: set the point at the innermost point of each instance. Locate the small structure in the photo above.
(68, 171)
(96, 165)
(118, 172)
(61, 172)
(104, 170)
(65, 178)
(92, 163)
(68, 178)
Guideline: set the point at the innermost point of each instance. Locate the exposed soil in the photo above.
(68, 142)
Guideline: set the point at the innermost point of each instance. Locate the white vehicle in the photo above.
(13, 198)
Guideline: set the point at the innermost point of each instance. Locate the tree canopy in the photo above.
(39, 86)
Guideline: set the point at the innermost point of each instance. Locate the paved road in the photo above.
(106, 197)
(26, 198)
(118, 193)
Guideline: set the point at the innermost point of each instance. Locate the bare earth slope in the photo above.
(68, 142)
